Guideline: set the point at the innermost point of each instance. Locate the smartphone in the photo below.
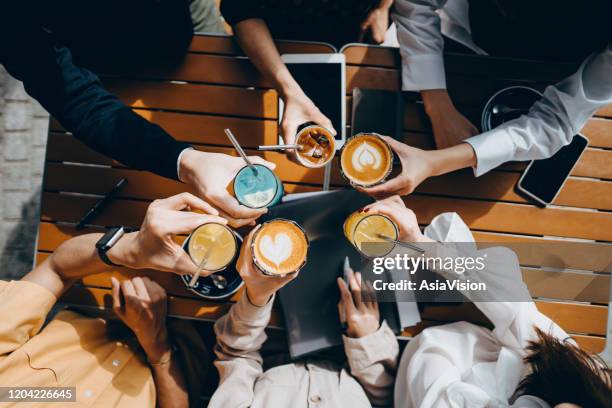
(542, 180)
(322, 77)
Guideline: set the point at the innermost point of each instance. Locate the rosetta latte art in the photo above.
(366, 156)
(277, 250)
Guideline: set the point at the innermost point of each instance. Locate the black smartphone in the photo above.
(542, 180)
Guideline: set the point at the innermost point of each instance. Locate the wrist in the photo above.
(258, 299)
(187, 164)
(156, 349)
(436, 101)
(124, 252)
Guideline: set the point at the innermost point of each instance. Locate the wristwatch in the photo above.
(112, 236)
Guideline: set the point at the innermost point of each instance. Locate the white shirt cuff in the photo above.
(422, 72)
(492, 149)
(178, 162)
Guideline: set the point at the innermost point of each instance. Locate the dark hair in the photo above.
(562, 372)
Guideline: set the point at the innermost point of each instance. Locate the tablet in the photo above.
(322, 77)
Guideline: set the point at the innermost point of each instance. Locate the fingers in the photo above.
(128, 288)
(117, 297)
(341, 312)
(183, 223)
(262, 161)
(289, 129)
(354, 286)
(345, 297)
(393, 186)
(325, 122)
(238, 212)
(183, 201)
(140, 289)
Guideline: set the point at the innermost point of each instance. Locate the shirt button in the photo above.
(116, 363)
(315, 399)
(88, 393)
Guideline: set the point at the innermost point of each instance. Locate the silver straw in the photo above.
(241, 152)
(400, 243)
(280, 147)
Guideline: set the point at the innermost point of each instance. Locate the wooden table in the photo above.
(216, 87)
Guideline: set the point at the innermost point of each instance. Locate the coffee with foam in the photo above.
(366, 159)
(279, 247)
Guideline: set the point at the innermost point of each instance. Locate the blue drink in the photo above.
(257, 190)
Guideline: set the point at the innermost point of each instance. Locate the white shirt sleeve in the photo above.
(421, 44)
(551, 122)
(515, 315)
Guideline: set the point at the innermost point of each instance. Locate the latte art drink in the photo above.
(366, 159)
(215, 242)
(364, 231)
(279, 247)
(317, 146)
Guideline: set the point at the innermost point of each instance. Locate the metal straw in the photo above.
(196, 276)
(280, 147)
(400, 243)
(241, 152)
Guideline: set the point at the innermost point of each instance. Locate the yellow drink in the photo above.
(361, 228)
(214, 241)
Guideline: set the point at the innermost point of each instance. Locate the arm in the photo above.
(371, 348)
(553, 121)
(151, 247)
(77, 99)
(507, 302)
(418, 165)
(144, 309)
(255, 39)
(421, 47)
(240, 334)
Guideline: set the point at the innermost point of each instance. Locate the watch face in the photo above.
(110, 238)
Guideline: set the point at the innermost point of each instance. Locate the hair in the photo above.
(563, 373)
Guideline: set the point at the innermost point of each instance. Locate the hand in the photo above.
(259, 287)
(144, 311)
(211, 173)
(449, 126)
(417, 165)
(153, 245)
(357, 308)
(376, 24)
(405, 219)
(298, 110)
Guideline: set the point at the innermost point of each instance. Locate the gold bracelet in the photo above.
(163, 361)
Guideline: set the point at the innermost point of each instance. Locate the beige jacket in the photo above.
(369, 380)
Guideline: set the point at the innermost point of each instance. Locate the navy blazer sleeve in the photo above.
(76, 98)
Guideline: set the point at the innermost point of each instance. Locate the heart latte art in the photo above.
(279, 247)
(366, 159)
(277, 250)
(366, 156)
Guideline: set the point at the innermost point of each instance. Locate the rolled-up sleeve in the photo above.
(23, 309)
(551, 122)
(240, 335)
(421, 44)
(373, 362)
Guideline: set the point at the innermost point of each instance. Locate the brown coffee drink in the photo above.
(317, 146)
(366, 159)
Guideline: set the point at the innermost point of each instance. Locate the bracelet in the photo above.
(163, 361)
